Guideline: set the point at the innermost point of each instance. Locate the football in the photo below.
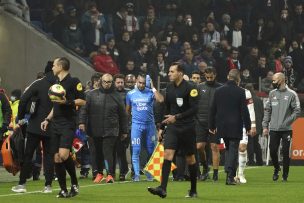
(56, 92)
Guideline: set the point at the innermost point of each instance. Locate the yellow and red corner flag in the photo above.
(154, 166)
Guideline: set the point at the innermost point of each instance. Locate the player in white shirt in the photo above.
(243, 144)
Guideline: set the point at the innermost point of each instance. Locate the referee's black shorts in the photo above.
(62, 135)
(181, 138)
(203, 135)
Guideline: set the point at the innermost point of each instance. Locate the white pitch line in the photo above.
(94, 185)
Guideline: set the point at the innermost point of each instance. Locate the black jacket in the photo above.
(104, 113)
(39, 90)
(6, 112)
(259, 113)
(229, 112)
(206, 93)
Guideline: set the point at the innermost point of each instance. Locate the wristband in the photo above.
(47, 119)
(154, 90)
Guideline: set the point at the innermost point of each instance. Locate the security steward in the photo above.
(36, 96)
(181, 103)
(63, 116)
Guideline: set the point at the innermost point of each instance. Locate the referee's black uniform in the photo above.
(64, 126)
(181, 101)
(64, 117)
(181, 105)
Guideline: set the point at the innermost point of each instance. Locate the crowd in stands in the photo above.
(258, 37)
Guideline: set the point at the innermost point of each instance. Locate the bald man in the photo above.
(227, 117)
(282, 109)
(104, 118)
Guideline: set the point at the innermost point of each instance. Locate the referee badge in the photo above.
(179, 101)
(193, 93)
(79, 87)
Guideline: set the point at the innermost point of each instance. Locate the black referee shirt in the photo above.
(74, 91)
(182, 101)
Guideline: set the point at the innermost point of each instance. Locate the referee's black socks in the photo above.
(165, 174)
(193, 175)
(61, 175)
(70, 167)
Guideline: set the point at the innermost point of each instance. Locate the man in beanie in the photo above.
(37, 93)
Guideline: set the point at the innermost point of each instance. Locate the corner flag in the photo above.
(156, 161)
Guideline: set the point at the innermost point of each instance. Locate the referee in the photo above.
(181, 102)
(63, 116)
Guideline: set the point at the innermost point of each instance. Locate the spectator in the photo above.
(112, 50)
(285, 25)
(278, 57)
(104, 63)
(246, 78)
(236, 36)
(196, 44)
(174, 48)
(266, 85)
(130, 68)
(250, 61)
(290, 73)
(159, 70)
(298, 19)
(72, 15)
(210, 35)
(190, 29)
(207, 54)
(125, 48)
(257, 34)
(165, 35)
(140, 59)
(57, 22)
(260, 71)
(225, 25)
(179, 27)
(94, 28)
(189, 62)
(119, 23)
(72, 38)
(131, 20)
(297, 55)
(233, 61)
(152, 20)
(220, 55)
(20, 8)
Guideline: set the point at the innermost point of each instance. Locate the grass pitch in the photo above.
(260, 188)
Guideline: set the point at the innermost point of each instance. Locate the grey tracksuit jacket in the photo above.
(281, 110)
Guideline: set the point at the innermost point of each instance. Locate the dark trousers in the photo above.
(120, 155)
(275, 138)
(254, 148)
(92, 155)
(231, 156)
(104, 147)
(33, 140)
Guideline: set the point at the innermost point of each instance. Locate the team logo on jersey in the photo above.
(79, 87)
(179, 101)
(193, 93)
